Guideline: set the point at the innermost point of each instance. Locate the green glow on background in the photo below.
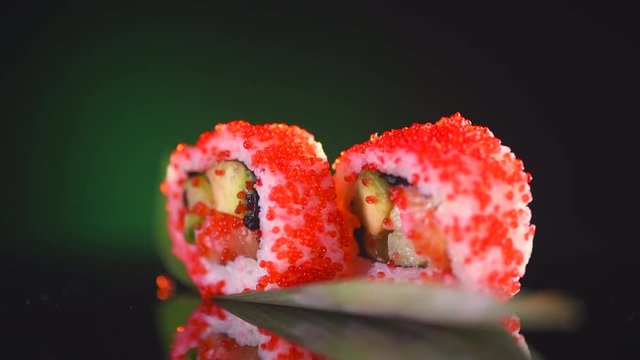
(105, 98)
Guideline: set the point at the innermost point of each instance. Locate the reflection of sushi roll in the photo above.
(213, 333)
(443, 202)
(512, 325)
(253, 207)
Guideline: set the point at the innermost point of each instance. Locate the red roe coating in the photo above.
(287, 195)
(480, 188)
(166, 287)
(304, 237)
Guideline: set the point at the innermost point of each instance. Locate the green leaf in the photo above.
(547, 310)
(347, 336)
(430, 303)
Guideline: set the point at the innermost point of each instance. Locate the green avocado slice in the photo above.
(197, 189)
(227, 179)
(191, 223)
(371, 202)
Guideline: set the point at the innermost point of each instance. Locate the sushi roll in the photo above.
(442, 202)
(214, 333)
(252, 207)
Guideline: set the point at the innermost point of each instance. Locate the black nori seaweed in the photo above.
(358, 234)
(394, 180)
(191, 174)
(251, 220)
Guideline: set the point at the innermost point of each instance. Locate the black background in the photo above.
(558, 81)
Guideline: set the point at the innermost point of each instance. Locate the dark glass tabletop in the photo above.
(114, 309)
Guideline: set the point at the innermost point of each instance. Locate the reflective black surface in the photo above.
(109, 309)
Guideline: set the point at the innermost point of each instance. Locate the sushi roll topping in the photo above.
(223, 198)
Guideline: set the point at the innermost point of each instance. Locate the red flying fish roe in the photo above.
(222, 237)
(480, 188)
(297, 202)
(166, 287)
(278, 157)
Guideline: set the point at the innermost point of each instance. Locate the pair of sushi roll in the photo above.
(213, 333)
(441, 202)
(255, 207)
(252, 207)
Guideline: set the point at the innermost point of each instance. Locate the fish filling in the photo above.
(381, 202)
